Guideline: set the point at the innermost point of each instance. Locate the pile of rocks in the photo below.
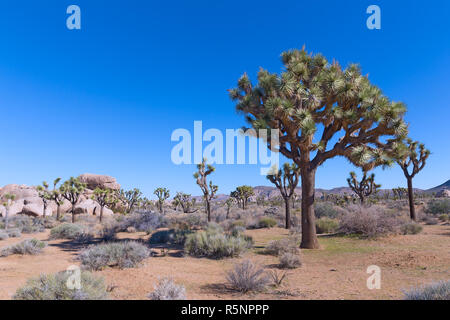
(27, 200)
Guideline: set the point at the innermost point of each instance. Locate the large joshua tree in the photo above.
(242, 194)
(412, 161)
(71, 190)
(286, 181)
(104, 197)
(131, 198)
(313, 104)
(186, 202)
(363, 188)
(7, 204)
(163, 194)
(209, 191)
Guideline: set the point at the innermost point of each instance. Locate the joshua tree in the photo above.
(131, 198)
(186, 202)
(45, 195)
(103, 197)
(7, 204)
(309, 104)
(163, 194)
(260, 199)
(57, 197)
(71, 191)
(286, 181)
(415, 156)
(363, 188)
(294, 199)
(229, 203)
(209, 192)
(399, 192)
(242, 194)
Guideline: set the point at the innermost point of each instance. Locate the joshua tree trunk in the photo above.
(309, 237)
(73, 213)
(208, 210)
(361, 198)
(412, 209)
(101, 214)
(288, 212)
(6, 218)
(58, 212)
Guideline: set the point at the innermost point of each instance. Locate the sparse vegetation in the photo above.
(115, 254)
(326, 225)
(54, 287)
(71, 231)
(267, 222)
(167, 289)
(290, 260)
(246, 277)
(28, 246)
(435, 291)
(411, 228)
(438, 206)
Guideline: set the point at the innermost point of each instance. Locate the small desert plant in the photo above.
(444, 217)
(146, 221)
(166, 289)
(215, 244)
(246, 276)
(267, 222)
(172, 236)
(326, 209)
(438, 206)
(54, 287)
(411, 228)
(116, 254)
(290, 261)
(14, 233)
(28, 246)
(71, 231)
(430, 220)
(27, 224)
(277, 277)
(279, 247)
(435, 291)
(3, 235)
(326, 225)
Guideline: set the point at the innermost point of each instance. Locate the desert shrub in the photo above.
(71, 231)
(237, 231)
(246, 276)
(444, 217)
(435, 291)
(369, 222)
(26, 224)
(172, 236)
(238, 223)
(3, 235)
(428, 220)
(326, 225)
(215, 244)
(290, 260)
(279, 247)
(327, 209)
(438, 206)
(54, 287)
(166, 289)
(267, 222)
(108, 232)
(14, 233)
(411, 228)
(115, 254)
(28, 246)
(146, 221)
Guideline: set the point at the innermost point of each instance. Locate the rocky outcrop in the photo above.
(91, 207)
(101, 181)
(445, 193)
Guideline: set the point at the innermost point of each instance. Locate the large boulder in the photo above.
(445, 193)
(35, 210)
(20, 191)
(91, 207)
(101, 181)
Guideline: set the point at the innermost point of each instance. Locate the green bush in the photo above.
(435, 291)
(54, 287)
(71, 231)
(438, 206)
(326, 209)
(172, 236)
(444, 217)
(411, 228)
(115, 254)
(267, 222)
(28, 246)
(279, 247)
(326, 225)
(215, 244)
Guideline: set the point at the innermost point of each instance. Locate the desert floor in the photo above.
(337, 271)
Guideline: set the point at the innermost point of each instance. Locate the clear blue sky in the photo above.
(105, 99)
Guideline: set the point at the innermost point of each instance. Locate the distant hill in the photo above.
(445, 185)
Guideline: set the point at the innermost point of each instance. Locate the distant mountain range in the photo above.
(271, 192)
